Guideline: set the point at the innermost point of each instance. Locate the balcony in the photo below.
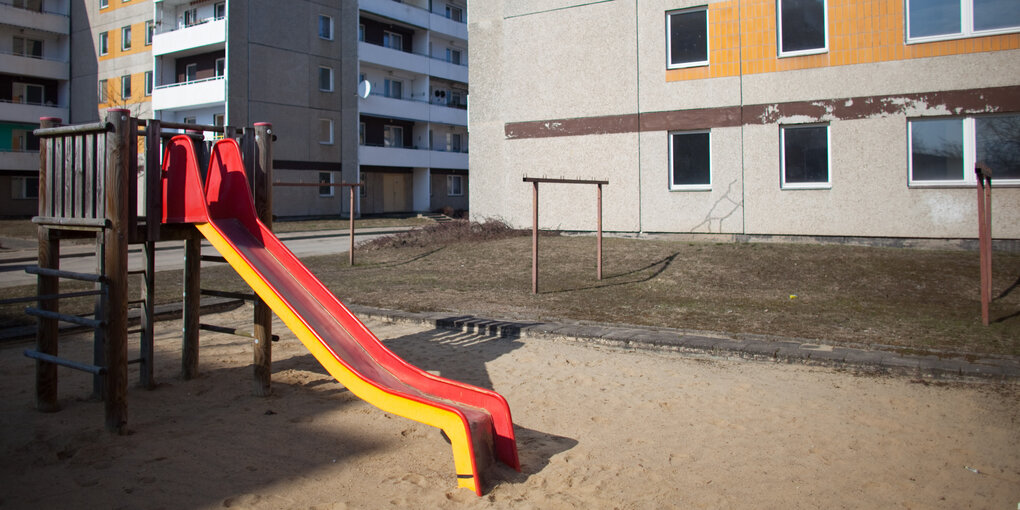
(19, 160)
(30, 113)
(198, 38)
(379, 105)
(370, 155)
(443, 114)
(36, 67)
(415, 16)
(393, 59)
(191, 94)
(447, 26)
(56, 23)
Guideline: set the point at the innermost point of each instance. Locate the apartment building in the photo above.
(817, 118)
(34, 82)
(373, 92)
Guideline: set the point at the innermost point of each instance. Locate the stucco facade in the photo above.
(588, 90)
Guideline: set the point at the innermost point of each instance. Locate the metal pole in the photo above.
(599, 234)
(352, 225)
(984, 199)
(534, 238)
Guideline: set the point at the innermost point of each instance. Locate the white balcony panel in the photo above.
(19, 160)
(448, 71)
(193, 39)
(393, 59)
(397, 11)
(382, 106)
(31, 113)
(47, 22)
(36, 67)
(392, 156)
(447, 26)
(447, 115)
(451, 160)
(190, 95)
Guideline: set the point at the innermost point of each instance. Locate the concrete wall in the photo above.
(581, 90)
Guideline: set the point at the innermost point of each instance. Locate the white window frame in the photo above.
(150, 29)
(966, 26)
(329, 193)
(186, 73)
(329, 72)
(104, 43)
(148, 83)
(669, 45)
(388, 88)
(102, 91)
(361, 32)
(125, 38)
(798, 53)
(328, 37)
(969, 178)
(450, 179)
(19, 188)
(322, 123)
(219, 7)
(389, 130)
(104, 4)
(221, 63)
(388, 35)
(125, 86)
(20, 92)
(782, 158)
(690, 187)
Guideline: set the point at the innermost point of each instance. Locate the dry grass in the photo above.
(906, 298)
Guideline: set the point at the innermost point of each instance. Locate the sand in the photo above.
(597, 427)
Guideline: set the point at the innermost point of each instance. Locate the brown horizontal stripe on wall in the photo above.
(952, 102)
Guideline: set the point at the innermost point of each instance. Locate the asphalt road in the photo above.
(81, 258)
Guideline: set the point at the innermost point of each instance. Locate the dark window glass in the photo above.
(998, 145)
(936, 150)
(806, 155)
(690, 159)
(934, 17)
(803, 25)
(688, 37)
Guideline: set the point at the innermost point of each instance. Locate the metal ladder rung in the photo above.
(81, 321)
(49, 358)
(232, 331)
(45, 297)
(225, 294)
(87, 277)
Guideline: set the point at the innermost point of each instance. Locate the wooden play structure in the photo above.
(92, 183)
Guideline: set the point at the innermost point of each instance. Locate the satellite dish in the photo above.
(364, 89)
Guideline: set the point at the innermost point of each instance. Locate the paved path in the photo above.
(81, 258)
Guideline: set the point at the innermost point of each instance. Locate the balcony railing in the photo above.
(188, 82)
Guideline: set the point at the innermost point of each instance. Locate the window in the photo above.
(25, 188)
(220, 10)
(944, 151)
(361, 32)
(190, 72)
(125, 38)
(23, 47)
(125, 86)
(361, 133)
(326, 178)
(453, 56)
(191, 120)
(31, 5)
(221, 66)
(104, 4)
(948, 19)
(690, 161)
(393, 88)
(455, 13)
(218, 119)
(102, 91)
(23, 140)
(687, 37)
(802, 27)
(393, 40)
(104, 43)
(454, 185)
(393, 136)
(453, 142)
(326, 131)
(149, 29)
(190, 17)
(148, 83)
(326, 28)
(27, 93)
(326, 79)
(805, 156)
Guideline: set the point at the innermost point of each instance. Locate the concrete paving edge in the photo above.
(754, 347)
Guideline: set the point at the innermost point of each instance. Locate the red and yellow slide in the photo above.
(476, 421)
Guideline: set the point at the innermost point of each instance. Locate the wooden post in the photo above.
(534, 238)
(118, 150)
(49, 258)
(984, 203)
(192, 300)
(598, 236)
(263, 191)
